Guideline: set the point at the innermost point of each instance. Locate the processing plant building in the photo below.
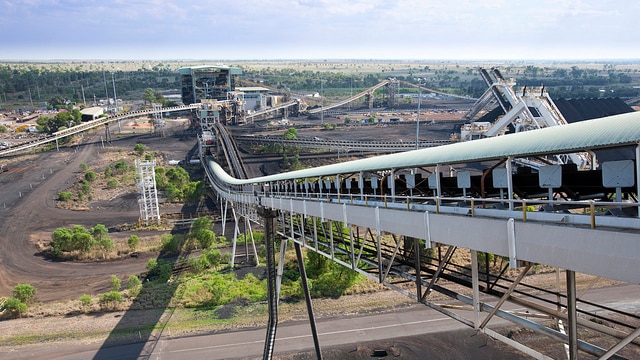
(207, 82)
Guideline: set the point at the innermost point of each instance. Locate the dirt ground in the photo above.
(29, 191)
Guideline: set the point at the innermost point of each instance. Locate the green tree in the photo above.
(116, 284)
(160, 98)
(3, 129)
(151, 264)
(24, 292)
(85, 302)
(148, 96)
(105, 243)
(82, 239)
(112, 183)
(161, 177)
(206, 238)
(178, 177)
(65, 196)
(99, 231)
(110, 300)
(200, 224)
(170, 243)
(134, 285)
(139, 149)
(90, 176)
(85, 188)
(214, 256)
(15, 307)
(291, 134)
(120, 167)
(133, 242)
(61, 240)
(193, 192)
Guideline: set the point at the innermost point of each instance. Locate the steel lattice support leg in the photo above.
(572, 315)
(269, 216)
(307, 296)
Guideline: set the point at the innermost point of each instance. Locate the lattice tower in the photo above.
(149, 210)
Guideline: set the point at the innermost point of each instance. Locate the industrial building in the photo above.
(91, 113)
(254, 96)
(207, 82)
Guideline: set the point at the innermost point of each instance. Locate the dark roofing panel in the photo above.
(584, 109)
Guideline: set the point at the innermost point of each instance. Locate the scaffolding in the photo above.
(149, 210)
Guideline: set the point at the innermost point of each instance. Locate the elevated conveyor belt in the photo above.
(89, 125)
(352, 98)
(346, 212)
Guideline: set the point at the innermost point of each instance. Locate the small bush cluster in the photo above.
(23, 295)
(176, 185)
(79, 239)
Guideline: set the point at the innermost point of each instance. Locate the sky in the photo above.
(319, 29)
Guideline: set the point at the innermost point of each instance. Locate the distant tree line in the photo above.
(39, 84)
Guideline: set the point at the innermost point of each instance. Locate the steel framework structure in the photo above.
(149, 210)
(406, 240)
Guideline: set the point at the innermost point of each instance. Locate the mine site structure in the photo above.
(380, 216)
(508, 110)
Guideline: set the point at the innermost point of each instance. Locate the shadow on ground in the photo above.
(142, 324)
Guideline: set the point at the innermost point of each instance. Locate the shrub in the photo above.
(213, 256)
(133, 281)
(65, 195)
(110, 300)
(15, 307)
(85, 188)
(24, 292)
(170, 243)
(134, 285)
(90, 176)
(134, 242)
(160, 269)
(206, 238)
(115, 283)
(139, 149)
(83, 166)
(199, 264)
(105, 243)
(112, 183)
(120, 167)
(85, 302)
(151, 264)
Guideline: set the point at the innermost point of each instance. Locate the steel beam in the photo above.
(307, 297)
(268, 215)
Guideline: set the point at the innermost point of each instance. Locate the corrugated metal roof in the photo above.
(617, 130)
(188, 70)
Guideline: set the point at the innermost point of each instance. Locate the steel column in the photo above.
(416, 250)
(307, 297)
(268, 215)
(572, 314)
(475, 289)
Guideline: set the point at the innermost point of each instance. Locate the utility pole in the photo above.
(418, 117)
(115, 96)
